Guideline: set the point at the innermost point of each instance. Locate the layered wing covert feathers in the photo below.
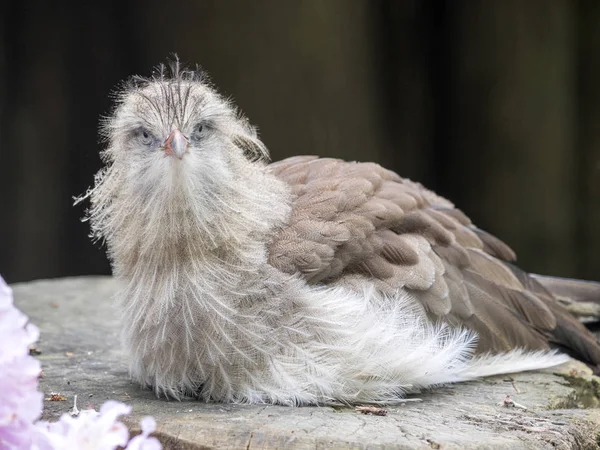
(352, 222)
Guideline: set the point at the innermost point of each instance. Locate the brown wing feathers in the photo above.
(358, 221)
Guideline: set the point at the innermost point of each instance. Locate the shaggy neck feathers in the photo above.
(187, 227)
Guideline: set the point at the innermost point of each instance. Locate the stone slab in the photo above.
(80, 355)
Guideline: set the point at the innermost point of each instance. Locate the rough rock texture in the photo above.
(81, 356)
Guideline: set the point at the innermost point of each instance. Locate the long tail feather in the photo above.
(581, 297)
(570, 290)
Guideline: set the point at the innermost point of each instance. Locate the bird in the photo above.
(306, 281)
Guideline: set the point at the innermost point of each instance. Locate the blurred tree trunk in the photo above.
(7, 202)
(107, 28)
(589, 139)
(406, 50)
(514, 125)
(36, 123)
(49, 135)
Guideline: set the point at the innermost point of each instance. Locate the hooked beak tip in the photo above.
(176, 144)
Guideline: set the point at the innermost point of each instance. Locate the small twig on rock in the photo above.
(510, 403)
(56, 397)
(433, 444)
(75, 411)
(34, 351)
(513, 383)
(373, 410)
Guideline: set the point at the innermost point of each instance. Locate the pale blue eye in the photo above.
(146, 138)
(197, 134)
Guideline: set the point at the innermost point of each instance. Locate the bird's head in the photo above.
(175, 128)
(180, 161)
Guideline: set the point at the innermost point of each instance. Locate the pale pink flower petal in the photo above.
(143, 441)
(21, 403)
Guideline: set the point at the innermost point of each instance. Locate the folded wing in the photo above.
(357, 222)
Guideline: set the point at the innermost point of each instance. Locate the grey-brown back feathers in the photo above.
(354, 223)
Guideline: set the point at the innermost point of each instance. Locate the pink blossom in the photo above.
(95, 430)
(143, 441)
(21, 403)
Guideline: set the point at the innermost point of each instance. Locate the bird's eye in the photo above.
(197, 134)
(146, 137)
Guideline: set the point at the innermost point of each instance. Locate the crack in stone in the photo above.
(250, 441)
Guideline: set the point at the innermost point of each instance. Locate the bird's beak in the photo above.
(176, 144)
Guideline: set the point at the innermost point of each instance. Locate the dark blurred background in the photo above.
(494, 104)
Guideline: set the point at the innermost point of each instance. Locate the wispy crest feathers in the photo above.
(175, 95)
